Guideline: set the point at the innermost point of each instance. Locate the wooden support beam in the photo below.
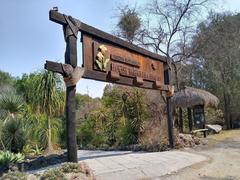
(71, 58)
(54, 66)
(57, 17)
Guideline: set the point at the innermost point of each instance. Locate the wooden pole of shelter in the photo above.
(204, 124)
(190, 124)
(180, 120)
(169, 109)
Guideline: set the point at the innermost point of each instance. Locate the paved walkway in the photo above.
(134, 165)
(108, 165)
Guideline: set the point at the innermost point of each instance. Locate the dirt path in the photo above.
(223, 151)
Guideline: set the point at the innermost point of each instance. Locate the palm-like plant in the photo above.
(10, 104)
(48, 100)
(13, 135)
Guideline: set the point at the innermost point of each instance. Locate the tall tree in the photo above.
(167, 29)
(217, 55)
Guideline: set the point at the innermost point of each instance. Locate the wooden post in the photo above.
(204, 124)
(180, 120)
(169, 109)
(71, 58)
(190, 124)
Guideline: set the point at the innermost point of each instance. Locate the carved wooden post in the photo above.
(169, 108)
(71, 58)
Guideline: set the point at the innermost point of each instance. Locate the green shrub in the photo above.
(14, 176)
(13, 135)
(70, 168)
(7, 158)
(32, 150)
(53, 174)
(84, 134)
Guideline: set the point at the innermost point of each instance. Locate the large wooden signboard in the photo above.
(109, 59)
(108, 62)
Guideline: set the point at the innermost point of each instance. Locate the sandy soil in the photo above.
(223, 151)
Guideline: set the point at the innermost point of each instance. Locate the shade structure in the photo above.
(190, 97)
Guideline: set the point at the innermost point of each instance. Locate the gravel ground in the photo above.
(223, 151)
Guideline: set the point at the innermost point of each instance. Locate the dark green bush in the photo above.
(70, 168)
(13, 135)
(14, 176)
(7, 158)
(53, 174)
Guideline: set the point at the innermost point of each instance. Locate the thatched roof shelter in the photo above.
(190, 97)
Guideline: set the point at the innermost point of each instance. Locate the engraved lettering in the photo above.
(132, 72)
(124, 60)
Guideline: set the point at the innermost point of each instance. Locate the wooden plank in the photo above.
(199, 130)
(57, 17)
(122, 80)
(54, 66)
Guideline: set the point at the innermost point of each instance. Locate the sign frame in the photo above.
(72, 73)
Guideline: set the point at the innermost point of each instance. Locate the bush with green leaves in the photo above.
(11, 104)
(32, 150)
(13, 135)
(53, 174)
(71, 168)
(118, 121)
(7, 158)
(14, 176)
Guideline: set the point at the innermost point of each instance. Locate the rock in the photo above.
(214, 127)
(188, 140)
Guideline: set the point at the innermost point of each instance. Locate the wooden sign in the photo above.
(111, 59)
(108, 62)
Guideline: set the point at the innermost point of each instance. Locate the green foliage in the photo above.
(10, 104)
(214, 116)
(41, 132)
(218, 62)
(14, 176)
(117, 122)
(32, 150)
(47, 98)
(129, 23)
(71, 168)
(91, 133)
(6, 79)
(13, 135)
(6, 158)
(53, 174)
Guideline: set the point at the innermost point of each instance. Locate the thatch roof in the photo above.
(190, 97)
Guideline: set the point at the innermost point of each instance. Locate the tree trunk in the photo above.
(178, 88)
(226, 111)
(49, 148)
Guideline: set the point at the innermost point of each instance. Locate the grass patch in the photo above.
(226, 134)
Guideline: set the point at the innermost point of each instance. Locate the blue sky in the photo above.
(28, 38)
